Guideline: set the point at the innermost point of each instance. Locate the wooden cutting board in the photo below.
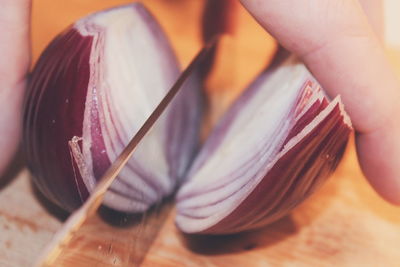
(343, 224)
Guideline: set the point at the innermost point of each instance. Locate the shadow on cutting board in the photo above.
(53, 209)
(226, 244)
(16, 165)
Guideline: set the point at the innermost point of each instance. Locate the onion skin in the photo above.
(45, 142)
(77, 121)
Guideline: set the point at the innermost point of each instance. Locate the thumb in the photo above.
(14, 65)
(338, 45)
(14, 40)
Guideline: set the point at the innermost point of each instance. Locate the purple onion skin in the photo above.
(54, 111)
(55, 108)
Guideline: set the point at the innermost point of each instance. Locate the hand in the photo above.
(338, 45)
(14, 65)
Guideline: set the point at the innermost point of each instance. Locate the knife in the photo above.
(61, 239)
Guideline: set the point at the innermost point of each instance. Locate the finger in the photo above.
(337, 44)
(14, 64)
(14, 39)
(374, 11)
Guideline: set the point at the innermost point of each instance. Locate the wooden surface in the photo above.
(343, 224)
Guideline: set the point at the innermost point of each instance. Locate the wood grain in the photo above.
(25, 223)
(344, 224)
(113, 239)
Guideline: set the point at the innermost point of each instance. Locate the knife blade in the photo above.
(61, 239)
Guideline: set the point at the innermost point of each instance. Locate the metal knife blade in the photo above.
(91, 205)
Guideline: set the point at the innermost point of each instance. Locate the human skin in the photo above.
(337, 43)
(332, 37)
(14, 65)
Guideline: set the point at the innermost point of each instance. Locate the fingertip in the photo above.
(379, 158)
(14, 41)
(386, 190)
(386, 187)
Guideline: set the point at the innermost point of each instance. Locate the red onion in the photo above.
(97, 82)
(270, 151)
(91, 90)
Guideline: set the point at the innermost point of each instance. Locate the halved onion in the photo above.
(276, 144)
(90, 92)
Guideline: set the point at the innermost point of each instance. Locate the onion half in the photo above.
(90, 92)
(276, 144)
